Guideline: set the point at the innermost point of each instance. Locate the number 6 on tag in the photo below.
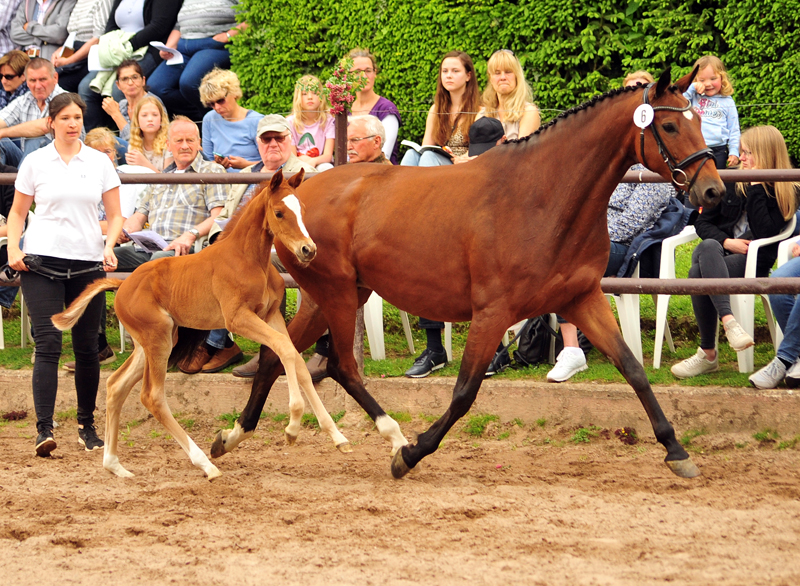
(643, 115)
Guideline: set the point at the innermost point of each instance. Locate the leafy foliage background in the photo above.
(569, 50)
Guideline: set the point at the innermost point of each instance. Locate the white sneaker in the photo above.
(737, 337)
(697, 364)
(770, 376)
(570, 361)
(793, 375)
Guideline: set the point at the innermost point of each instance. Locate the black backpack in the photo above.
(533, 342)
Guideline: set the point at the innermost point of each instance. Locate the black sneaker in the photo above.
(87, 437)
(427, 362)
(45, 443)
(499, 363)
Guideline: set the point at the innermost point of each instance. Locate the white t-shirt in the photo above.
(65, 223)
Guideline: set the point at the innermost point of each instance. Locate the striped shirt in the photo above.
(175, 209)
(89, 19)
(200, 19)
(7, 10)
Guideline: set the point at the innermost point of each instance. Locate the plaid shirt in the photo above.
(6, 98)
(25, 108)
(175, 209)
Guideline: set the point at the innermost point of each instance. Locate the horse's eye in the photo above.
(279, 215)
(670, 127)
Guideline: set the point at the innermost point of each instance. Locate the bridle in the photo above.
(676, 168)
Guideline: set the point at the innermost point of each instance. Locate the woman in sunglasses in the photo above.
(12, 73)
(229, 130)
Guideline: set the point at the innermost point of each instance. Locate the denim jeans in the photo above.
(427, 159)
(787, 312)
(7, 296)
(46, 297)
(178, 85)
(95, 115)
(12, 154)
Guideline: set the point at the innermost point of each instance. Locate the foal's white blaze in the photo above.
(390, 431)
(293, 204)
(688, 114)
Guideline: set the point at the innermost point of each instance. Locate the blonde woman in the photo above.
(748, 212)
(311, 124)
(229, 130)
(641, 76)
(148, 145)
(508, 97)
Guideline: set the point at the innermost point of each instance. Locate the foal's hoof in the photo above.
(345, 447)
(213, 473)
(683, 468)
(290, 439)
(399, 466)
(218, 447)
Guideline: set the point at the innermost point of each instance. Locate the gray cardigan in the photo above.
(48, 36)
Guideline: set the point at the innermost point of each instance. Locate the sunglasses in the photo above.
(220, 101)
(8, 77)
(278, 139)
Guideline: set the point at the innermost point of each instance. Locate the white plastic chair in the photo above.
(743, 306)
(667, 271)
(25, 327)
(629, 319)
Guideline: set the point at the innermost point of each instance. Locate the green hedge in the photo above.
(570, 51)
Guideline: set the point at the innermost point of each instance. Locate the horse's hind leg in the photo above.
(304, 329)
(118, 388)
(326, 423)
(153, 399)
(484, 334)
(594, 317)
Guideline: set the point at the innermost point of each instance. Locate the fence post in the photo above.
(340, 153)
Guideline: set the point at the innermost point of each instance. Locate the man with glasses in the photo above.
(12, 75)
(274, 143)
(26, 117)
(365, 138)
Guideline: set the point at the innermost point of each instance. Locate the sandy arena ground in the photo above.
(532, 508)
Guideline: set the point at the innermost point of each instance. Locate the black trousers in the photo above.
(45, 298)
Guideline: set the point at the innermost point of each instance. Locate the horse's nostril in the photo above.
(305, 250)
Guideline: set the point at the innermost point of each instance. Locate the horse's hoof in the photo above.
(345, 447)
(683, 468)
(218, 447)
(291, 439)
(399, 466)
(213, 473)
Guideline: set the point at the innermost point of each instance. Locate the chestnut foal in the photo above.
(231, 284)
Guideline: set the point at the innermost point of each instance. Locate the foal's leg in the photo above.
(118, 388)
(594, 317)
(343, 368)
(326, 423)
(304, 329)
(484, 334)
(153, 399)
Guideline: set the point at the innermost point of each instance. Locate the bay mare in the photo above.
(230, 284)
(519, 232)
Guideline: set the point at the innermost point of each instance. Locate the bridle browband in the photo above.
(675, 168)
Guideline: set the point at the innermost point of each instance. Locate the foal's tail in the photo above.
(70, 316)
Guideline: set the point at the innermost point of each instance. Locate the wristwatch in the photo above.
(195, 232)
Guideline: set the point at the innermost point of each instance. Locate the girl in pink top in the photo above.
(311, 124)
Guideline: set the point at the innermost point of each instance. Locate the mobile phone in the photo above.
(218, 155)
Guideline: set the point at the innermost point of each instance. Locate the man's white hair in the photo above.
(372, 126)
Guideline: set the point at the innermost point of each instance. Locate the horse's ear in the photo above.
(684, 82)
(296, 179)
(276, 181)
(663, 82)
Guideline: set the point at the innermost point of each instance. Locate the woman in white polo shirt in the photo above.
(67, 180)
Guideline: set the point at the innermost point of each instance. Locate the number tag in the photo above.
(643, 115)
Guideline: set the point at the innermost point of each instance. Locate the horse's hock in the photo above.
(715, 409)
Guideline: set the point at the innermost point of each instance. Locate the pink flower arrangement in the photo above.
(342, 86)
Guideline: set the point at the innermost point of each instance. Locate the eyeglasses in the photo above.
(277, 138)
(8, 77)
(355, 140)
(130, 79)
(367, 71)
(220, 101)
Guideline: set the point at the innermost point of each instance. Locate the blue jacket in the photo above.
(720, 120)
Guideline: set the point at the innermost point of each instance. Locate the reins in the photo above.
(669, 160)
(34, 264)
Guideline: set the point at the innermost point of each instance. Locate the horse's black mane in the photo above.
(588, 104)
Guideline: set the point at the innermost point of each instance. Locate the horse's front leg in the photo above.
(593, 315)
(484, 334)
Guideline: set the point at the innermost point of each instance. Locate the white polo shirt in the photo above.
(65, 224)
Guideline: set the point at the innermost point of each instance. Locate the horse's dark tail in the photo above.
(188, 341)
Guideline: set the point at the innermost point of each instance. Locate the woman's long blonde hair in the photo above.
(309, 83)
(768, 149)
(137, 137)
(515, 103)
